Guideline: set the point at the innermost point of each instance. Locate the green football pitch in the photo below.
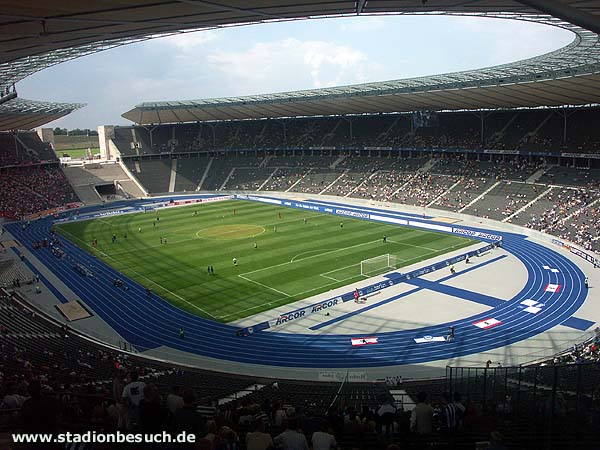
(283, 254)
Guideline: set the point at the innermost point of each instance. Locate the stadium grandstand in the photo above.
(399, 264)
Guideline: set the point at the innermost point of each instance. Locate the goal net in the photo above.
(378, 264)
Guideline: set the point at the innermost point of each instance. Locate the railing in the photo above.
(537, 393)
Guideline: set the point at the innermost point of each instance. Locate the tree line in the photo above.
(75, 132)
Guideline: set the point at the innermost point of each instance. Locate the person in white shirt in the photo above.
(258, 439)
(279, 416)
(386, 414)
(322, 439)
(174, 400)
(291, 439)
(421, 418)
(133, 393)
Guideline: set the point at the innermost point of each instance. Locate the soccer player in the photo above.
(212, 270)
(234, 262)
(384, 238)
(164, 240)
(341, 224)
(161, 240)
(586, 283)
(208, 270)
(154, 224)
(279, 215)
(255, 244)
(114, 238)
(139, 229)
(274, 229)
(304, 221)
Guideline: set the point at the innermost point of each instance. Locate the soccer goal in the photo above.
(378, 264)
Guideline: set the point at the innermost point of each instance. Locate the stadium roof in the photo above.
(21, 114)
(35, 35)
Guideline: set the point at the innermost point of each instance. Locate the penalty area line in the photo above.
(312, 251)
(263, 285)
(331, 278)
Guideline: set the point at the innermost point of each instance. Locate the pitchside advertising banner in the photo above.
(186, 202)
(147, 206)
(98, 214)
(358, 213)
(577, 251)
(477, 234)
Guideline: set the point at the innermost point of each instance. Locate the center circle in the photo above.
(230, 232)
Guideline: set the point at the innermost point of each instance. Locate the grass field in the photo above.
(77, 153)
(294, 259)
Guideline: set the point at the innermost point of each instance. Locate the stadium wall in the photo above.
(130, 175)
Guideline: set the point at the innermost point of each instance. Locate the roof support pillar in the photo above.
(360, 6)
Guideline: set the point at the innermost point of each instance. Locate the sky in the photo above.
(276, 57)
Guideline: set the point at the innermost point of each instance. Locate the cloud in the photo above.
(190, 40)
(292, 64)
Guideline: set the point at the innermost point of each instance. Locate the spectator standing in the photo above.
(227, 440)
(133, 393)
(385, 416)
(421, 418)
(322, 439)
(258, 439)
(452, 413)
(211, 431)
(153, 415)
(291, 439)
(187, 418)
(259, 414)
(174, 400)
(279, 416)
(118, 387)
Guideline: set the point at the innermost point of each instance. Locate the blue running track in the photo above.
(151, 323)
